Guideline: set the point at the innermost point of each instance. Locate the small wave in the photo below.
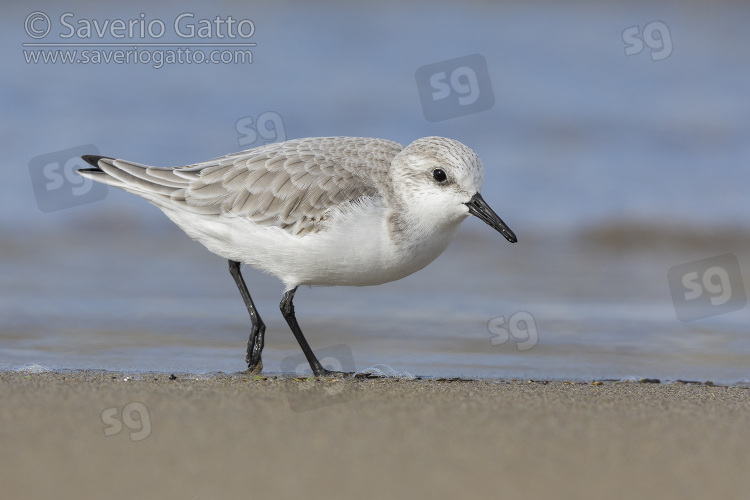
(383, 371)
(33, 368)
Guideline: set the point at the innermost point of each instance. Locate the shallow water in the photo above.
(161, 302)
(612, 169)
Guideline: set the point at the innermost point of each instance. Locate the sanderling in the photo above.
(318, 211)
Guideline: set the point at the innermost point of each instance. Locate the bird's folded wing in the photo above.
(290, 184)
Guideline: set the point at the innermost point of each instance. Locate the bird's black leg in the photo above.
(287, 310)
(255, 342)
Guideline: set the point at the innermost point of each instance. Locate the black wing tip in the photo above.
(93, 160)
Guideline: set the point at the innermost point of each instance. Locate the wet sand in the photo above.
(64, 435)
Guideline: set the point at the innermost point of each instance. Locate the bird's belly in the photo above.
(358, 250)
(351, 254)
(362, 256)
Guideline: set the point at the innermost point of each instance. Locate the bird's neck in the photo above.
(418, 236)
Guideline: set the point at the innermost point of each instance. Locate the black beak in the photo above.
(480, 208)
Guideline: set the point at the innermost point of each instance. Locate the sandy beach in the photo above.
(99, 434)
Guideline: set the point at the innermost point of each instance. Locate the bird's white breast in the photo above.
(355, 248)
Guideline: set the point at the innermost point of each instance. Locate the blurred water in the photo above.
(610, 168)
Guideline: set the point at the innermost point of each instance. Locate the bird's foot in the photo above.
(254, 369)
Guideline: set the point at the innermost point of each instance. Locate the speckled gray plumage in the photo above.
(290, 185)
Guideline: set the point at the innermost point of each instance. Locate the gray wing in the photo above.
(290, 184)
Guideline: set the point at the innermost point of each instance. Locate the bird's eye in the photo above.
(439, 175)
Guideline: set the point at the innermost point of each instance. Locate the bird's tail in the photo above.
(139, 179)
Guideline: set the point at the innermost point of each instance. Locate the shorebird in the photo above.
(317, 211)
